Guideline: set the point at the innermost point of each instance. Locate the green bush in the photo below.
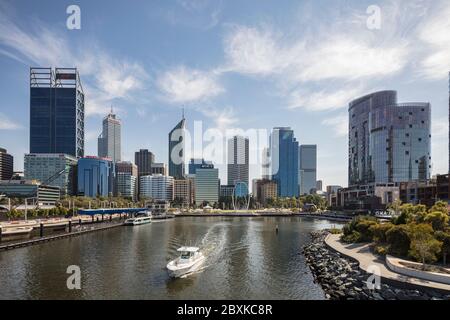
(379, 231)
(358, 230)
(353, 237)
(424, 247)
(437, 219)
(398, 240)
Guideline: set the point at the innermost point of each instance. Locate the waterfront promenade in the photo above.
(366, 259)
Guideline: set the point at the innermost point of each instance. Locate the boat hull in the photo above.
(177, 271)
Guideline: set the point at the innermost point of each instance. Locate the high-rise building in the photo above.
(50, 169)
(95, 177)
(388, 142)
(56, 111)
(238, 161)
(157, 187)
(6, 165)
(206, 186)
(194, 164)
(284, 161)
(109, 141)
(144, 159)
(126, 180)
(449, 122)
(307, 168)
(176, 150)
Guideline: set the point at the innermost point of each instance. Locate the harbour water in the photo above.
(246, 259)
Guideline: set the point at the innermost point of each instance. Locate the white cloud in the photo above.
(339, 124)
(252, 51)
(103, 77)
(435, 35)
(181, 85)
(323, 100)
(7, 124)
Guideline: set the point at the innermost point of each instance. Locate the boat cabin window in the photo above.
(186, 255)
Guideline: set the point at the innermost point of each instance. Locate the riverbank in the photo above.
(341, 278)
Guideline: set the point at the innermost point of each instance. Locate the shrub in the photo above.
(379, 231)
(353, 237)
(438, 220)
(335, 231)
(398, 240)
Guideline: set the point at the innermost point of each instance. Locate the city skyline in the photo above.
(150, 88)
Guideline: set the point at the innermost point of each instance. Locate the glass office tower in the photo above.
(56, 111)
(95, 177)
(176, 150)
(284, 161)
(388, 141)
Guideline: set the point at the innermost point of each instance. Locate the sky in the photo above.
(248, 65)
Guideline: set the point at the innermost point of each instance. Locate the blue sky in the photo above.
(231, 64)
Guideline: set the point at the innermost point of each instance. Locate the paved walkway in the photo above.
(366, 258)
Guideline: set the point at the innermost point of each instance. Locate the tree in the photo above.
(379, 231)
(440, 206)
(437, 219)
(395, 206)
(398, 240)
(444, 237)
(424, 247)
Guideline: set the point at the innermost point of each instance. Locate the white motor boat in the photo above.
(189, 261)
(142, 217)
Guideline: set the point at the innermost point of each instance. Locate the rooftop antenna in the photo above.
(111, 109)
(182, 110)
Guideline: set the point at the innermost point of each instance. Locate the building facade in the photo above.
(284, 161)
(157, 187)
(109, 141)
(159, 168)
(45, 195)
(176, 150)
(52, 169)
(307, 168)
(126, 180)
(182, 191)
(206, 186)
(238, 162)
(194, 164)
(95, 177)
(6, 165)
(388, 141)
(265, 189)
(56, 111)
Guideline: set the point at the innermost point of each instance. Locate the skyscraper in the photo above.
(6, 165)
(238, 160)
(56, 111)
(308, 167)
(284, 161)
(449, 122)
(388, 141)
(157, 187)
(144, 159)
(109, 141)
(176, 150)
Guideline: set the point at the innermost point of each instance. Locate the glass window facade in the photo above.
(388, 141)
(56, 116)
(95, 177)
(308, 168)
(284, 161)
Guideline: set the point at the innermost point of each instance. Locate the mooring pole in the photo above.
(41, 230)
